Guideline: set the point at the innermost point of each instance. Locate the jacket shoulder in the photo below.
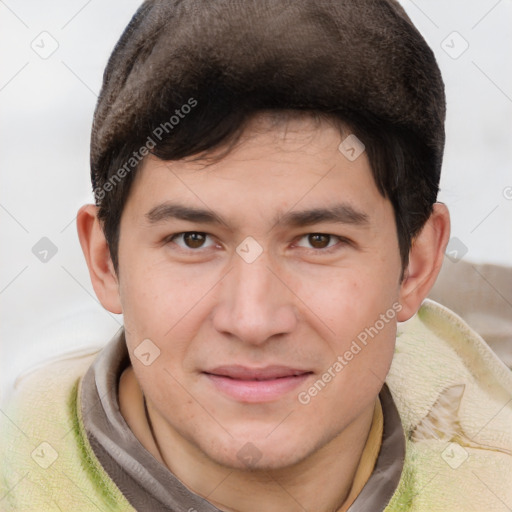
(47, 462)
(454, 396)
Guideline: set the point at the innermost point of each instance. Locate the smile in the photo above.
(256, 385)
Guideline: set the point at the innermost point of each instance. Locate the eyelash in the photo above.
(341, 240)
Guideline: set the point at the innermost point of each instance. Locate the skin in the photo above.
(301, 303)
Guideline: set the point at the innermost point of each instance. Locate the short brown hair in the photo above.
(362, 62)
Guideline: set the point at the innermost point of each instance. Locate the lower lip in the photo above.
(254, 391)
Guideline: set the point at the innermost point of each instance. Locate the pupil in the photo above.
(194, 240)
(319, 241)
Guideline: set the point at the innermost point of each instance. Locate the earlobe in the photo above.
(97, 255)
(425, 260)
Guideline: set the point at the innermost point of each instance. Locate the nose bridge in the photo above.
(253, 283)
(255, 304)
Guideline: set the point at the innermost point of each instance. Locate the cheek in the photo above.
(361, 313)
(169, 308)
(156, 297)
(349, 300)
(356, 373)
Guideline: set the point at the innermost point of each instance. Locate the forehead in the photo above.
(275, 166)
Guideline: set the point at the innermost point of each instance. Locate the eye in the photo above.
(191, 240)
(319, 241)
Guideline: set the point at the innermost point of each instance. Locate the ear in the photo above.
(97, 254)
(425, 260)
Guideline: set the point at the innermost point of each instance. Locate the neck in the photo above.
(321, 482)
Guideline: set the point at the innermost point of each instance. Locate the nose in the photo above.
(255, 303)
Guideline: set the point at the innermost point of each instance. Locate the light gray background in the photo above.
(46, 109)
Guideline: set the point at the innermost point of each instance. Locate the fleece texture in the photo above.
(453, 394)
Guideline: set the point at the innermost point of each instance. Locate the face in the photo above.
(267, 283)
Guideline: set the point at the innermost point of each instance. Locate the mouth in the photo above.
(256, 385)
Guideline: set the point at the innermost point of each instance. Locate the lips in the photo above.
(256, 385)
(267, 373)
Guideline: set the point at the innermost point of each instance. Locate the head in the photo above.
(224, 120)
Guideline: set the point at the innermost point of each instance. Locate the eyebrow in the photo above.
(342, 213)
(166, 211)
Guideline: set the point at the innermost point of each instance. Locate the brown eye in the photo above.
(322, 243)
(194, 240)
(318, 240)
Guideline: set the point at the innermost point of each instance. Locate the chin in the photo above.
(258, 453)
